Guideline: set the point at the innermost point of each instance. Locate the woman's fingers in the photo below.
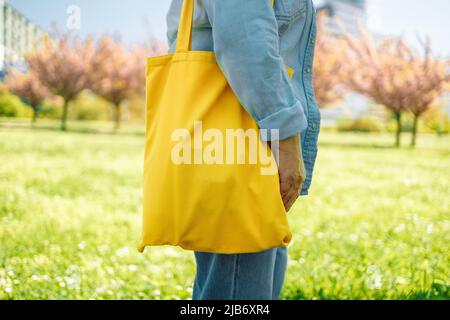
(290, 188)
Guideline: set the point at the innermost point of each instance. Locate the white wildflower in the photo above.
(132, 268)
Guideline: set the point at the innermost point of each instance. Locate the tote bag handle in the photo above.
(184, 38)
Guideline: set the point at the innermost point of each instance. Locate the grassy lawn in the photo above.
(375, 226)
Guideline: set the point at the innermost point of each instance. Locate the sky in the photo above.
(140, 20)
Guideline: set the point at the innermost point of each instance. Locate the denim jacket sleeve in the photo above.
(246, 44)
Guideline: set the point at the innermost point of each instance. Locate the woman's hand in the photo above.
(291, 170)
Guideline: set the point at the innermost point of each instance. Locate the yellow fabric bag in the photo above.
(219, 207)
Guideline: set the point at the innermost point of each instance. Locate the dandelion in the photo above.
(291, 263)
(155, 269)
(399, 228)
(144, 277)
(100, 291)
(430, 228)
(157, 293)
(114, 283)
(55, 249)
(374, 281)
(110, 270)
(416, 218)
(373, 269)
(8, 289)
(71, 282)
(409, 182)
(81, 246)
(103, 248)
(132, 268)
(171, 252)
(35, 278)
(72, 269)
(122, 252)
(95, 263)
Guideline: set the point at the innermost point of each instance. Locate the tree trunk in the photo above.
(35, 115)
(117, 116)
(64, 115)
(398, 119)
(440, 127)
(414, 130)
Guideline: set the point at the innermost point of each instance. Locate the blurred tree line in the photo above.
(69, 73)
(406, 82)
(94, 80)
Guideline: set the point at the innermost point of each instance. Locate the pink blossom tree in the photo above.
(426, 80)
(394, 75)
(29, 87)
(118, 74)
(112, 77)
(63, 65)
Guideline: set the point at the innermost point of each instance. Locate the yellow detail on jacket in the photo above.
(290, 71)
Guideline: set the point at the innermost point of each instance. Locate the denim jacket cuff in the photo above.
(289, 121)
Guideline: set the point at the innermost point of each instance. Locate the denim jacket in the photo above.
(266, 54)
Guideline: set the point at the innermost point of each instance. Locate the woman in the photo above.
(265, 50)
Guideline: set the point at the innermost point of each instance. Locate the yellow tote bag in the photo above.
(208, 206)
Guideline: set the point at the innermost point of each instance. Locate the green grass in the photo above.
(375, 226)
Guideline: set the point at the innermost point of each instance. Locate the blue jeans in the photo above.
(245, 276)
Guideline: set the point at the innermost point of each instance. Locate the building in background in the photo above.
(18, 35)
(350, 13)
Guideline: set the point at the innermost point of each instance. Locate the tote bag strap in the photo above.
(184, 38)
